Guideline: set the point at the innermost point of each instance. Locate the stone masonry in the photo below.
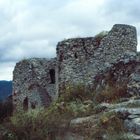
(34, 83)
(79, 60)
(37, 82)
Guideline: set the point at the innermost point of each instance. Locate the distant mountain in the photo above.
(5, 89)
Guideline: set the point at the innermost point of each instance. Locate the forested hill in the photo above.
(5, 89)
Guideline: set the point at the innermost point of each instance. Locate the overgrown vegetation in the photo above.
(100, 36)
(73, 93)
(6, 109)
(42, 124)
(29, 125)
(111, 94)
(108, 127)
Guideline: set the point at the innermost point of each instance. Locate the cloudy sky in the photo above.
(32, 28)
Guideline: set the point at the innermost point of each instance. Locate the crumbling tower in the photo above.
(80, 59)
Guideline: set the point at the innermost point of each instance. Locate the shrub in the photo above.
(74, 93)
(111, 94)
(6, 109)
(110, 127)
(29, 125)
(120, 136)
(100, 36)
(64, 112)
(76, 102)
(41, 123)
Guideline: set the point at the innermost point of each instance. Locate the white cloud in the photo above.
(31, 28)
(6, 70)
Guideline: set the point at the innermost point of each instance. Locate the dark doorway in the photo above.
(25, 104)
(52, 76)
(75, 55)
(33, 105)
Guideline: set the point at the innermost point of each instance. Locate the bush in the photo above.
(6, 109)
(120, 136)
(76, 102)
(111, 94)
(65, 112)
(100, 36)
(110, 127)
(29, 125)
(41, 123)
(76, 93)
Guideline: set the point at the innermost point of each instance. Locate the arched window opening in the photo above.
(52, 76)
(25, 104)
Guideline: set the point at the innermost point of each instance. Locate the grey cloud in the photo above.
(31, 28)
(6, 70)
(127, 11)
(27, 49)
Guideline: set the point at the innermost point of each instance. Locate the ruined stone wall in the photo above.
(79, 60)
(34, 83)
(37, 82)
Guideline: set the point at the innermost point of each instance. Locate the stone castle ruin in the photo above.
(34, 83)
(37, 81)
